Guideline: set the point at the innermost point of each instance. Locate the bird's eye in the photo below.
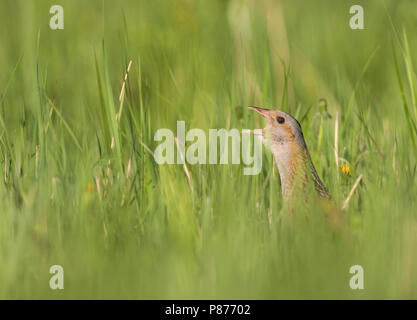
(280, 120)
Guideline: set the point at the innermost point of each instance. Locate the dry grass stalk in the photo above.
(355, 185)
(187, 172)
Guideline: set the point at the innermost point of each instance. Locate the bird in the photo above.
(284, 137)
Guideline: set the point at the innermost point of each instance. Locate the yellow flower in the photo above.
(345, 169)
(90, 187)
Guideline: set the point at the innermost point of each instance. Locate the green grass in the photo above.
(124, 227)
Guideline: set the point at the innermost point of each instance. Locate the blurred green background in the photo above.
(81, 189)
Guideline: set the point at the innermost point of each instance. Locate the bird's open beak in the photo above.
(265, 114)
(261, 111)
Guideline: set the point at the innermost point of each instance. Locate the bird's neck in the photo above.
(291, 166)
(296, 170)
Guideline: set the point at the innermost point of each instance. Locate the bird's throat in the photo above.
(291, 168)
(296, 171)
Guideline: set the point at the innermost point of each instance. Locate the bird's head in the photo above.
(281, 132)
